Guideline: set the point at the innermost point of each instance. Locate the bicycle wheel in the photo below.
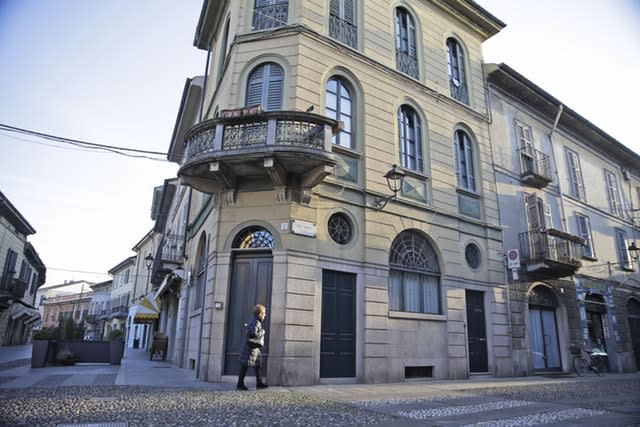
(597, 364)
(579, 365)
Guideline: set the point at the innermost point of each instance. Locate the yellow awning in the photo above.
(146, 311)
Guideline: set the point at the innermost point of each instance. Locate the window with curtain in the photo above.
(339, 106)
(414, 275)
(406, 49)
(410, 136)
(457, 73)
(464, 161)
(265, 86)
(342, 21)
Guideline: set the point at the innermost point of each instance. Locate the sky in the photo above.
(112, 73)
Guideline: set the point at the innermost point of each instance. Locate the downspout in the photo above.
(187, 284)
(202, 309)
(204, 85)
(563, 216)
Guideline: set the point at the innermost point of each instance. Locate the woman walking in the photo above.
(251, 354)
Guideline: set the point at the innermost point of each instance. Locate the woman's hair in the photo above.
(257, 309)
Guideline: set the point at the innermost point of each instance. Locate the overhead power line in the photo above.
(85, 144)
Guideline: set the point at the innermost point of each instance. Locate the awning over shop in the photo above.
(146, 311)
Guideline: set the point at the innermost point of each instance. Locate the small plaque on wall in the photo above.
(303, 228)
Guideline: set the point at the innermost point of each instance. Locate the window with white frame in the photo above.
(342, 21)
(615, 205)
(457, 73)
(584, 231)
(622, 248)
(464, 161)
(339, 106)
(414, 275)
(525, 147)
(265, 87)
(410, 137)
(406, 49)
(575, 175)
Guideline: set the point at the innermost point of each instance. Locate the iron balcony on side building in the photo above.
(246, 148)
(548, 253)
(169, 256)
(536, 169)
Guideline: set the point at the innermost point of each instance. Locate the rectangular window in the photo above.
(622, 247)
(575, 175)
(9, 269)
(615, 206)
(270, 14)
(342, 26)
(584, 231)
(406, 51)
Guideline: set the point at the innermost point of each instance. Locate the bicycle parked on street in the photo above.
(588, 360)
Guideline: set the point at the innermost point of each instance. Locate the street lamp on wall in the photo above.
(395, 178)
(148, 262)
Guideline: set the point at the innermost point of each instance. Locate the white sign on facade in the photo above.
(303, 228)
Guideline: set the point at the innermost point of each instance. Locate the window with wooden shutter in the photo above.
(615, 205)
(342, 21)
(406, 49)
(622, 246)
(265, 87)
(464, 161)
(575, 175)
(584, 231)
(9, 269)
(456, 68)
(410, 135)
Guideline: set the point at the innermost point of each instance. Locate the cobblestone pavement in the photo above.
(610, 401)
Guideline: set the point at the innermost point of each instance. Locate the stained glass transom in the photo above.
(253, 238)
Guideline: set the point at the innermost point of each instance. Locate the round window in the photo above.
(472, 255)
(340, 228)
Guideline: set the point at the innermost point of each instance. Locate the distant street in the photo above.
(612, 400)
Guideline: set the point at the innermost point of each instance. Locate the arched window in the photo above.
(414, 275)
(406, 49)
(464, 160)
(201, 273)
(339, 106)
(254, 237)
(410, 137)
(265, 86)
(457, 73)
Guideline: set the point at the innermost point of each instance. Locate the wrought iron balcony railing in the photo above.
(459, 91)
(551, 252)
(343, 31)
(270, 16)
(170, 255)
(407, 64)
(248, 144)
(536, 167)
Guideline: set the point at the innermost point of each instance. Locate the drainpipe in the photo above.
(563, 215)
(202, 308)
(204, 85)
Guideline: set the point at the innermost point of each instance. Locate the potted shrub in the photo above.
(116, 346)
(66, 357)
(41, 343)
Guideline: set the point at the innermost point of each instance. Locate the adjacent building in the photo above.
(23, 272)
(569, 196)
(99, 311)
(121, 291)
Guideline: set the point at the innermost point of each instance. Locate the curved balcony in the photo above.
(247, 148)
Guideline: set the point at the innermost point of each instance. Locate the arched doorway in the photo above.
(543, 329)
(251, 274)
(633, 317)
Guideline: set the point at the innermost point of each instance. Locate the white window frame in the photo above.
(615, 204)
(575, 175)
(622, 249)
(584, 231)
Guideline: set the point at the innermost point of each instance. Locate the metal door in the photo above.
(338, 328)
(250, 285)
(476, 332)
(544, 339)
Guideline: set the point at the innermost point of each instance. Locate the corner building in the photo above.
(284, 149)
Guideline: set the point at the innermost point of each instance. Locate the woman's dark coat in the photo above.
(251, 356)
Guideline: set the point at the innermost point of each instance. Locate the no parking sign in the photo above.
(513, 258)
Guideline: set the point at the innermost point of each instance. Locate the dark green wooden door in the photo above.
(250, 285)
(476, 332)
(338, 334)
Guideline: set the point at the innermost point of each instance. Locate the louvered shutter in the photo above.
(576, 174)
(458, 156)
(418, 134)
(411, 38)
(548, 218)
(399, 32)
(612, 188)
(402, 127)
(349, 11)
(461, 78)
(533, 214)
(468, 154)
(274, 88)
(255, 85)
(334, 8)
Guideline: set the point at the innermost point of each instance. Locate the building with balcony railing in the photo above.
(23, 272)
(57, 308)
(287, 151)
(577, 281)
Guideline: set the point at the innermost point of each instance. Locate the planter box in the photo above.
(39, 349)
(116, 350)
